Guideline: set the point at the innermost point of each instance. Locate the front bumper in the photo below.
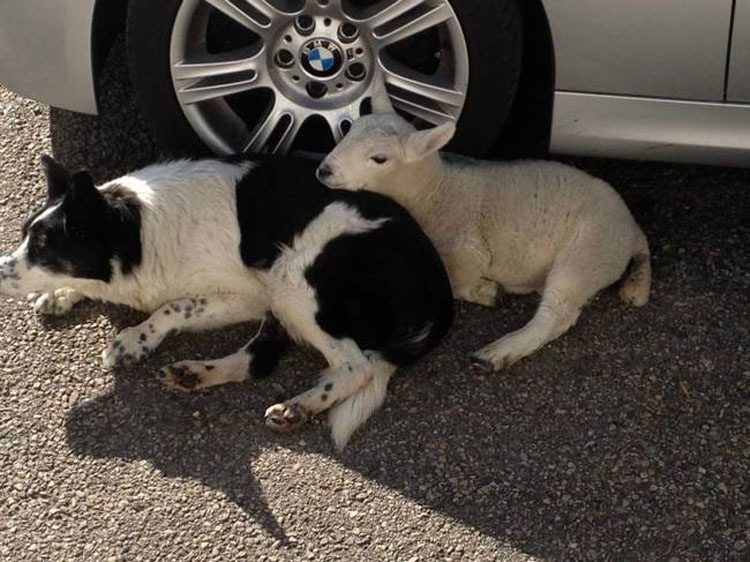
(46, 51)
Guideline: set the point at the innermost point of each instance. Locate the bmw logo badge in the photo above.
(321, 57)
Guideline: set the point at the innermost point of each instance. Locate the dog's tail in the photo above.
(345, 417)
(636, 285)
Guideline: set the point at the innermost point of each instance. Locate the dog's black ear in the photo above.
(58, 177)
(84, 205)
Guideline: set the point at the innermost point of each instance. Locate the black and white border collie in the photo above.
(208, 243)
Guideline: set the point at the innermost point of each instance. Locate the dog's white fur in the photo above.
(189, 239)
(190, 261)
(500, 227)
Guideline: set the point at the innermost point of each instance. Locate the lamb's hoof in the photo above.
(501, 297)
(481, 363)
(179, 377)
(285, 417)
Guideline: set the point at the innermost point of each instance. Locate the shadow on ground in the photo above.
(627, 439)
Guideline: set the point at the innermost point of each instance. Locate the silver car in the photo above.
(667, 80)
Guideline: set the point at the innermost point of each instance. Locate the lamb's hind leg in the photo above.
(577, 274)
(555, 315)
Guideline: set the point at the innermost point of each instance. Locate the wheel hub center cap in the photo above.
(321, 57)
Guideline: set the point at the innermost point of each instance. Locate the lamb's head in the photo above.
(379, 145)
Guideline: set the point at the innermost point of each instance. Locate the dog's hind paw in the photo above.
(180, 376)
(55, 303)
(130, 346)
(286, 417)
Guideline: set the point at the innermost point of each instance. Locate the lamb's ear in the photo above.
(58, 177)
(381, 101)
(84, 206)
(421, 143)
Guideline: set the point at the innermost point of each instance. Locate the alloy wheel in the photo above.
(259, 75)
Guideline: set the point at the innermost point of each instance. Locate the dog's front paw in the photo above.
(130, 346)
(286, 417)
(55, 303)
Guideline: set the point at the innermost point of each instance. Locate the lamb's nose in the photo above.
(324, 171)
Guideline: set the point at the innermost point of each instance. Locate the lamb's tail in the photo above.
(345, 417)
(636, 285)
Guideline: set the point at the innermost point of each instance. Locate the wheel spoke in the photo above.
(214, 76)
(412, 23)
(388, 11)
(422, 86)
(290, 132)
(281, 118)
(431, 115)
(255, 15)
(338, 121)
(216, 65)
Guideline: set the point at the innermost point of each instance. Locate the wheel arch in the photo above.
(108, 23)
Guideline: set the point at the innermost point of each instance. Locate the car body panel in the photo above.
(738, 83)
(651, 129)
(615, 59)
(46, 48)
(671, 48)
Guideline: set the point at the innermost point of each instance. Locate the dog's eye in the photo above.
(379, 159)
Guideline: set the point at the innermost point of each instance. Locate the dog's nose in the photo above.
(324, 171)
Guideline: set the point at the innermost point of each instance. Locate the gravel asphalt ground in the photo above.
(626, 439)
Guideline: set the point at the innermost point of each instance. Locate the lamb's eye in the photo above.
(379, 159)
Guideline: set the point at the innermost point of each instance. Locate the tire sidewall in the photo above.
(493, 34)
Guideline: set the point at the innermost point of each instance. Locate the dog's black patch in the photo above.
(267, 348)
(386, 288)
(276, 200)
(84, 228)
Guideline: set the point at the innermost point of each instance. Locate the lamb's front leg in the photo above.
(188, 314)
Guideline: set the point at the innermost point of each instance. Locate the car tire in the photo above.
(493, 35)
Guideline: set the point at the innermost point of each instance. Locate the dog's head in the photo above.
(74, 236)
(378, 145)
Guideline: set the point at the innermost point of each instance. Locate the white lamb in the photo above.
(500, 228)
